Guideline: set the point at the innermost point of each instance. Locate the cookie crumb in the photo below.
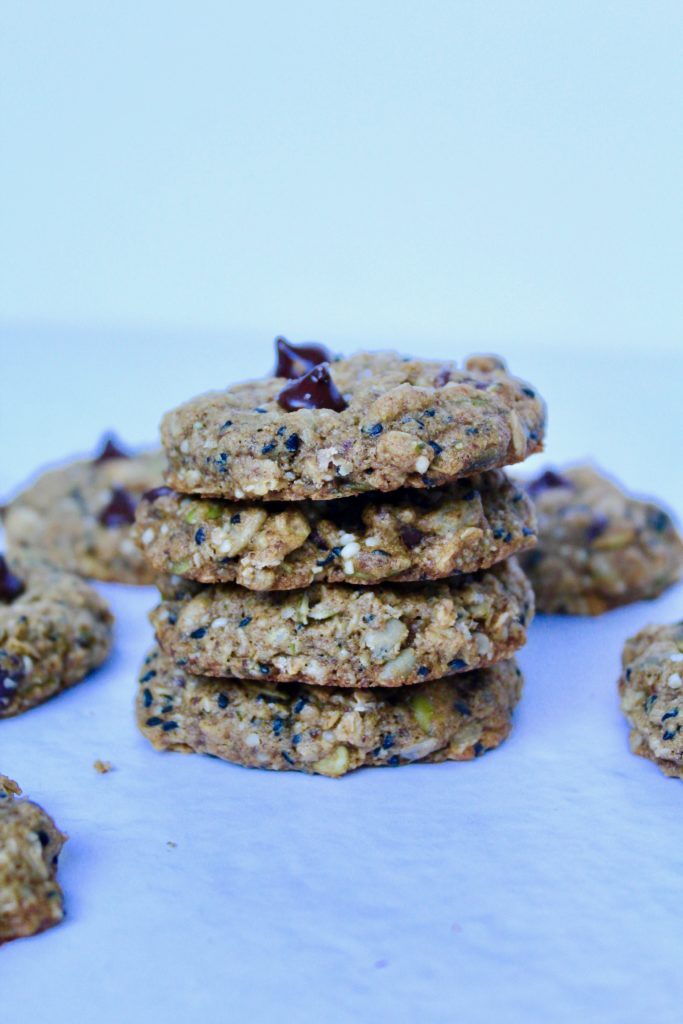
(171, 845)
(103, 767)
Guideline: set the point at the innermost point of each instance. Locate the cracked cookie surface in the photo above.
(30, 842)
(598, 547)
(80, 516)
(325, 731)
(336, 635)
(407, 535)
(406, 422)
(54, 629)
(651, 689)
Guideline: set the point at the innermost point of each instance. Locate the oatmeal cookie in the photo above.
(407, 535)
(367, 423)
(651, 689)
(326, 731)
(336, 635)
(80, 515)
(54, 629)
(30, 843)
(598, 547)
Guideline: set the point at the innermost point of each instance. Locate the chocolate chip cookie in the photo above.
(407, 535)
(598, 547)
(30, 844)
(54, 629)
(372, 422)
(336, 635)
(326, 731)
(80, 515)
(651, 688)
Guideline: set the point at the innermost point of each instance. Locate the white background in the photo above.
(179, 182)
(539, 883)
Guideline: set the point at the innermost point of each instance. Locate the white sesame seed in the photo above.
(347, 538)
(422, 464)
(252, 740)
(348, 567)
(676, 657)
(351, 549)
(675, 681)
(219, 623)
(371, 542)
(185, 446)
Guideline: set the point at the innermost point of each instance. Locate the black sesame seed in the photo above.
(154, 720)
(462, 708)
(368, 618)
(147, 697)
(300, 705)
(245, 622)
(670, 714)
(529, 392)
(44, 837)
(292, 443)
(263, 669)
(429, 412)
(259, 409)
(200, 535)
(169, 726)
(197, 634)
(526, 532)
(471, 431)
(393, 761)
(435, 446)
(287, 758)
(507, 538)
(423, 671)
(267, 447)
(479, 749)
(280, 431)
(388, 741)
(228, 423)
(237, 518)
(147, 676)
(277, 725)
(470, 496)
(222, 700)
(650, 701)
(670, 733)
(457, 664)
(374, 430)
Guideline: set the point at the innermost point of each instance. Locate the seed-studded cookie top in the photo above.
(404, 535)
(651, 688)
(79, 516)
(30, 843)
(370, 422)
(598, 547)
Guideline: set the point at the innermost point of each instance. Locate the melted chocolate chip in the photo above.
(548, 481)
(120, 511)
(596, 527)
(315, 390)
(156, 492)
(110, 448)
(10, 585)
(410, 535)
(295, 360)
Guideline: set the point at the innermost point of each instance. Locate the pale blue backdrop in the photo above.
(494, 171)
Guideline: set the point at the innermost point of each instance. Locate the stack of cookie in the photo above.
(335, 562)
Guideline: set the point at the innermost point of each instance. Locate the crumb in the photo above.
(171, 845)
(9, 786)
(102, 767)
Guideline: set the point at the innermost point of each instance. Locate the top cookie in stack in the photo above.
(343, 524)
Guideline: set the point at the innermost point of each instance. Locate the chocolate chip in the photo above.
(596, 527)
(120, 510)
(295, 360)
(315, 390)
(156, 492)
(110, 448)
(548, 481)
(10, 585)
(410, 535)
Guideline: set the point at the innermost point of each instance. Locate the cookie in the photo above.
(336, 635)
(373, 422)
(30, 844)
(598, 547)
(326, 731)
(407, 535)
(80, 515)
(54, 629)
(651, 689)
